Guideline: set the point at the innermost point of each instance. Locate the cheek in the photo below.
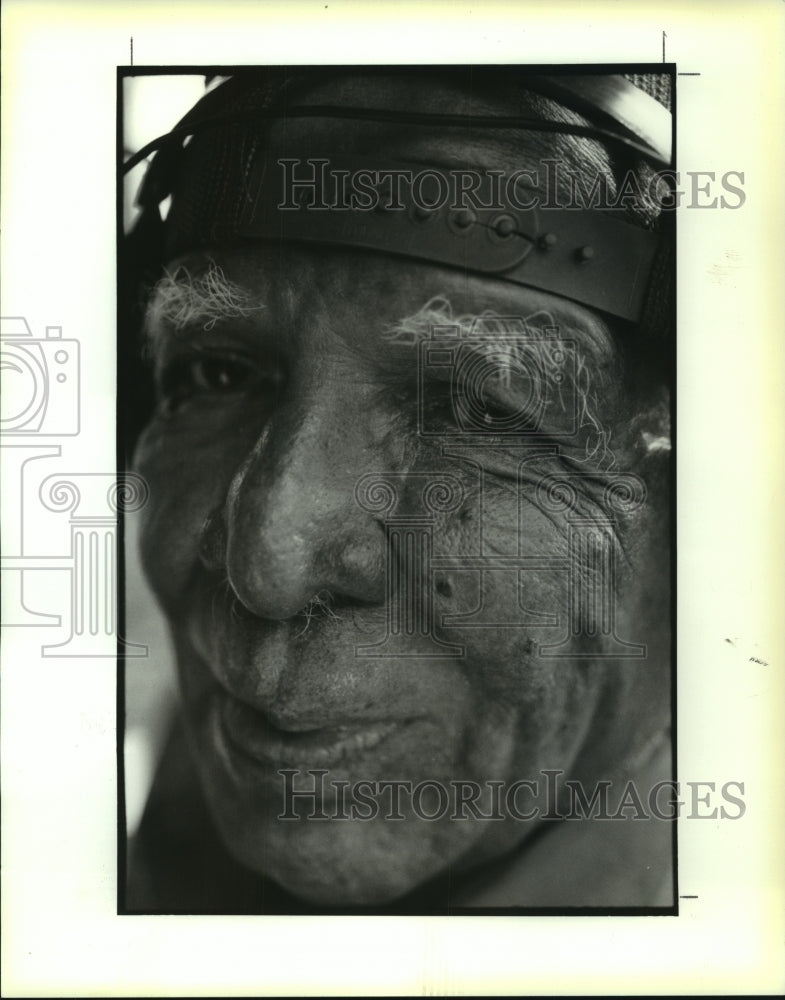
(530, 712)
(518, 593)
(188, 479)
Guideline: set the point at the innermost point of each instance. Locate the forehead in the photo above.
(282, 286)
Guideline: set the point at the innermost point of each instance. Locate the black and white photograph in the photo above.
(391, 439)
(410, 332)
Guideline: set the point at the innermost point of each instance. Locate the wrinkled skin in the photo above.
(253, 512)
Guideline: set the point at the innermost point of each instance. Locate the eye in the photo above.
(208, 377)
(495, 402)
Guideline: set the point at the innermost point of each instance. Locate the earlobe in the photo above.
(655, 442)
(650, 427)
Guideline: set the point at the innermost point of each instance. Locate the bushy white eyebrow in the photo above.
(181, 300)
(594, 340)
(438, 311)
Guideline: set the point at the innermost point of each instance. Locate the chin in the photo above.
(346, 867)
(357, 886)
(351, 863)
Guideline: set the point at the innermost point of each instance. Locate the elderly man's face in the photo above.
(271, 566)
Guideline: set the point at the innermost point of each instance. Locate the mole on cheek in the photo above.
(443, 587)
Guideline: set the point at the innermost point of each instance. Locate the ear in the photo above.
(650, 427)
(648, 444)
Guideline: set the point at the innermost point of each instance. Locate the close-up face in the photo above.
(327, 538)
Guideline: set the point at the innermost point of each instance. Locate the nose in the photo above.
(292, 526)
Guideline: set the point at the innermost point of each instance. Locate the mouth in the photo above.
(251, 734)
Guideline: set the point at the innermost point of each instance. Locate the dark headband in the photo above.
(591, 256)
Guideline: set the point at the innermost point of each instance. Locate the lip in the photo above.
(252, 734)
